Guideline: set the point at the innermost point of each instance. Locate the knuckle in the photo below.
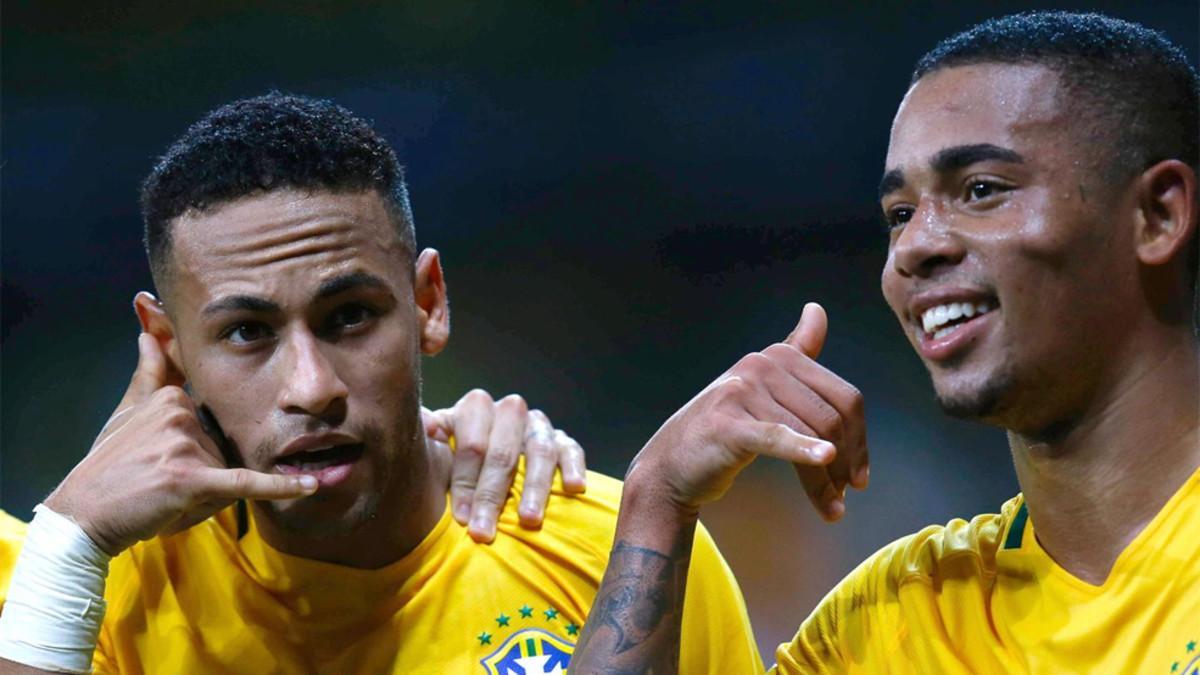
(174, 479)
(504, 457)
(171, 395)
(782, 350)
(854, 399)
(477, 396)
(474, 447)
(734, 387)
(755, 363)
(538, 451)
(828, 422)
(239, 481)
(176, 417)
(513, 403)
(489, 495)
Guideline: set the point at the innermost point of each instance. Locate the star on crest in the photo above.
(485, 638)
(526, 611)
(551, 614)
(502, 620)
(572, 629)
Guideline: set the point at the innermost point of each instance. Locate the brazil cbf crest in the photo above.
(531, 651)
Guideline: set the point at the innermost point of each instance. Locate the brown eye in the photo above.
(349, 316)
(247, 332)
(982, 190)
(899, 216)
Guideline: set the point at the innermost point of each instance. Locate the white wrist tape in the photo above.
(56, 598)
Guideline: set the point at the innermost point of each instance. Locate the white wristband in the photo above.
(56, 597)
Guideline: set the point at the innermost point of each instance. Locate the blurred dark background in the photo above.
(627, 198)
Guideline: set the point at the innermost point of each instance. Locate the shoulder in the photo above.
(959, 546)
(584, 524)
(901, 583)
(579, 525)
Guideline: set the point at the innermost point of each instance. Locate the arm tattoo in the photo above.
(634, 625)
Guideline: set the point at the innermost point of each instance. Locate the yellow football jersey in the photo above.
(203, 601)
(12, 535)
(983, 597)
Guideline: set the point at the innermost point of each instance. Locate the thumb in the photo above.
(809, 335)
(151, 373)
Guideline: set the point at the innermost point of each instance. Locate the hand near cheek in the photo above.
(778, 402)
(489, 438)
(153, 469)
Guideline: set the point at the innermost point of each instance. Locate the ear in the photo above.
(154, 321)
(1168, 208)
(429, 287)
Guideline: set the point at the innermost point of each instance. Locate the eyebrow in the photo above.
(242, 303)
(328, 288)
(892, 180)
(959, 156)
(952, 159)
(346, 282)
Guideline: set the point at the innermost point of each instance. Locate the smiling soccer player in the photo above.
(1041, 193)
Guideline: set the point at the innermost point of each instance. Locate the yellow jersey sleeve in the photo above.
(12, 535)
(917, 605)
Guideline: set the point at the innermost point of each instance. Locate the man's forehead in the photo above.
(276, 217)
(973, 105)
(270, 243)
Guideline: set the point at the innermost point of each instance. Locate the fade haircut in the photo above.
(266, 143)
(1134, 84)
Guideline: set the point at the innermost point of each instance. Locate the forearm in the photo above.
(635, 622)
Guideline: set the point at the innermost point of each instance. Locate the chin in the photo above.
(321, 516)
(981, 401)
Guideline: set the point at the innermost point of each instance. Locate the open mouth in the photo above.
(318, 460)
(942, 321)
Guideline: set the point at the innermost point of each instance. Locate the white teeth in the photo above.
(934, 318)
(944, 332)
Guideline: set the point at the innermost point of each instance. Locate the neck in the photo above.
(407, 510)
(1095, 483)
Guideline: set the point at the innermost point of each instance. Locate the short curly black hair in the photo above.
(266, 143)
(1135, 77)
(1134, 84)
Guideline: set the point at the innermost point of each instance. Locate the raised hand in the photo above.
(778, 402)
(153, 469)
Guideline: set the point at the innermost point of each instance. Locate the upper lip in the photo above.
(309, 442)
(944, 296)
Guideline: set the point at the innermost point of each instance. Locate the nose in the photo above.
(926, 243)
(311, 383)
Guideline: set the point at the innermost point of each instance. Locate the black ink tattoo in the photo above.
(635, 622)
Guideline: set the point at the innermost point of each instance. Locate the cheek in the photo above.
(382, 371)
(239, 398)
(889, 283)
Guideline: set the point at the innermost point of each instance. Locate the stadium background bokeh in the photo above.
(627, 198)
